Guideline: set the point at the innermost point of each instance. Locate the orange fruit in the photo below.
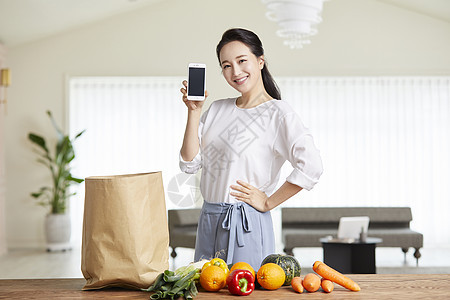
(243, 266)
(213, 278)
(271, 276)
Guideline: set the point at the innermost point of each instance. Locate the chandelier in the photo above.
(297, 19)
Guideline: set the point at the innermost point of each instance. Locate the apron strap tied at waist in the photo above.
(231, 223)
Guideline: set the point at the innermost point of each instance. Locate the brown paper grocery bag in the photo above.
(125, 232)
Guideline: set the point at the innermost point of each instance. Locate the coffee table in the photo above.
(350, 256)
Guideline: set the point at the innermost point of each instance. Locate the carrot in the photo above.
(297, 284)
(327, 285)
(334, 276)
(311, 282)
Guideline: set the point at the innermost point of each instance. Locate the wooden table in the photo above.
(373, 286)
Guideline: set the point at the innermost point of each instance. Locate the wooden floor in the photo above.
(378, 286)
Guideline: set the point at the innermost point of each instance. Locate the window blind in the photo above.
(384, 141)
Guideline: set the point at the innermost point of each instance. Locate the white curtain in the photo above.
(133, 125)
(384, 141)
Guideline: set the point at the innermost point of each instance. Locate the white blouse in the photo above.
(252, 145)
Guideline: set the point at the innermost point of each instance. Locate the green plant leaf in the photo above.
(41, 191)
(79, 134)
(36, 195)
(43, 203)
(77, 180)
(58, 130)
(56, 196)
(44, 162)
(38, 140)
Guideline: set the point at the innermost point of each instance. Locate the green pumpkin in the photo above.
(288, 263)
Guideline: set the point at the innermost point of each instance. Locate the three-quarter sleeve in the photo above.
(191, 167)
(294, 143)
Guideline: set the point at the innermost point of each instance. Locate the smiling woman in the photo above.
(240, 53)
(240, 144)
(243, 73)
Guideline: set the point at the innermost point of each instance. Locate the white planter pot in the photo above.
(58, 231)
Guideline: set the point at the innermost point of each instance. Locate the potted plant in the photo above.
(56, 195)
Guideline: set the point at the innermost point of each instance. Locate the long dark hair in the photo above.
(254, 43)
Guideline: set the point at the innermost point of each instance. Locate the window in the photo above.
(133, 125)
(384, 141)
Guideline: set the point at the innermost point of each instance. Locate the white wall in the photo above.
(3, 109)
(357, 37)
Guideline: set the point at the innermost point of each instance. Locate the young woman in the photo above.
(240, 144)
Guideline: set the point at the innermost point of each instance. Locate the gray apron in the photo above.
(234, 232)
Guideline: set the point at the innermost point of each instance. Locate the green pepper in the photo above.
(241, 282)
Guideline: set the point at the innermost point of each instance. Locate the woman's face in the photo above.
(241, 68)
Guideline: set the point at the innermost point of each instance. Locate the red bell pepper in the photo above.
(241, 282)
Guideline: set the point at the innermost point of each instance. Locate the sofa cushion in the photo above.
(298, 215)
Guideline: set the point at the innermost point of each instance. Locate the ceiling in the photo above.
(23, 21)
(438, 9)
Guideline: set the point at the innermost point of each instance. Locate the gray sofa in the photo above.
(182, 228)
(303, 227)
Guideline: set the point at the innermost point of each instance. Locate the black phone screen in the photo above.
(196, 82)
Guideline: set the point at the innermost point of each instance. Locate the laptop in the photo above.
(350, 227)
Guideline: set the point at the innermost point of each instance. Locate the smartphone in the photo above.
(196, 82)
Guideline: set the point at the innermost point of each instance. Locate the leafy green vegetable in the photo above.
(172, 285)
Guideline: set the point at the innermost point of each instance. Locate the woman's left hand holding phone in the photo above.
(192, 105)
(191, 145)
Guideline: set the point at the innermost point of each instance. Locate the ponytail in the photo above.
(270, 85)
(254, 43)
